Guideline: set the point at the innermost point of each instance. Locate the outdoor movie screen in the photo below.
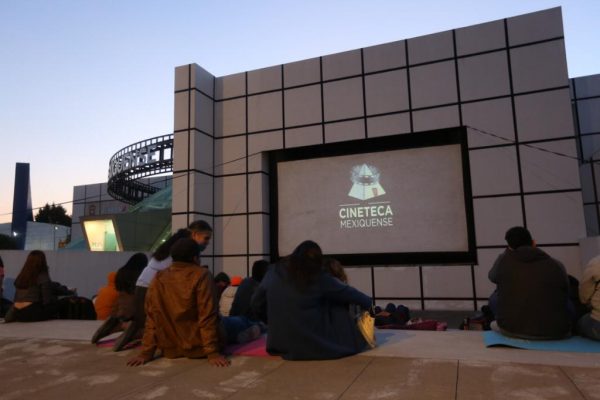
(403, 199)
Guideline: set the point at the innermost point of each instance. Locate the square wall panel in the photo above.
(494, 171)
(481, 37)
(433, 84)
(264, 79)
(539, 66)
(447, 281)
(265, 112)
(307, 136)
(230, 117)
(587, 183)
(437, 46)
(202, 117)
(547, 171)
(303, 106)
(341, 65)
(231, 233)
(588, 86)
(230, 86)
(591, 220)
(202, 152)
(343, 131)
(201, 189)
(208, 262)
(232, 266)
(259, 234)
(230, 155)
(182, 77)
(258, 192)
(302, 72)
(397, 282)
(493, 117)
(360, 278)
(590, 146)
(555, 217)
(343, 99)
(385, 56)
(386, 92)
(178, 221)
(230, 194)
(261, 142)
(486, 257)
(533, 27)
(544, 115)
(483, 76)
(203, 80)
(589, 115)
(180, 151)
(179, 202)
(569, 256)
(388, 125)
(494, 216)
(436, 118)
(181, 111)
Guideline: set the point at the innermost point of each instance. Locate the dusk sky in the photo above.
(79, 80)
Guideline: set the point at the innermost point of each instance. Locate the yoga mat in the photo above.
(110, 343)
(256, 348)
(575, 344)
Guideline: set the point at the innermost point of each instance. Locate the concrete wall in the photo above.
(83, 270)
(506, 77)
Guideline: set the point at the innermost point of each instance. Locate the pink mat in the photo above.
(111, 343)
(256, 348)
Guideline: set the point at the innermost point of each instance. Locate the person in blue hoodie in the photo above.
(532, 296)
(306, 309)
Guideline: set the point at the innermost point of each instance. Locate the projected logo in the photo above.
(366, 182)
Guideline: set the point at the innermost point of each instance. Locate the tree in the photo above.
(53, 214)
(7, 243)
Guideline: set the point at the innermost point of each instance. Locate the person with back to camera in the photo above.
(201, 232)
(34, 300)
(307, 309)
(589, 294)
(532, 295)
(182, 318)
(243, 296)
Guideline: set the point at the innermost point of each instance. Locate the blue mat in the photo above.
(575, 344)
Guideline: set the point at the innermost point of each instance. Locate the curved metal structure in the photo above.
(148, 157)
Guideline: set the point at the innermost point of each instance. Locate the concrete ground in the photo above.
(54, 360)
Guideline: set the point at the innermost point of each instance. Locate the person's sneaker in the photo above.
(249, 334)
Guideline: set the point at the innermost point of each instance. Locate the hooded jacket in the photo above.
(533, 291)
(106, 300)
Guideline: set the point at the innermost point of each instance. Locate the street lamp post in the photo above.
(54, 237)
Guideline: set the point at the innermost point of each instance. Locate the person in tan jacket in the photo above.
(589, 294)
(182, 311)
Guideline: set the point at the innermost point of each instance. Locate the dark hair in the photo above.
(305, 263)
(1, 263)
(518, 236)
(129, 273)
(164, 250)
(335, 268)
(185, 250)
(200, 226)
(35, 265)
(222, 277)
(259, 269)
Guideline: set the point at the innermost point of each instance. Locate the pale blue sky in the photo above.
(81, 79)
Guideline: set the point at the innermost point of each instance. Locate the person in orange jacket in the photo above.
(106, 300)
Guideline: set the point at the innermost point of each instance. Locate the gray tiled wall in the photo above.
(505, 77)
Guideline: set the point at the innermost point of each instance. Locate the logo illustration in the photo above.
(366, 182)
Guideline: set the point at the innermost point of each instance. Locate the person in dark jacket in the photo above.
(307, 309)
(532, 290)
(243, 296)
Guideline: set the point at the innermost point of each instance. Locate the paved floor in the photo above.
(34, 363)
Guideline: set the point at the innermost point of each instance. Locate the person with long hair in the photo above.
(34, 300)
(306, 308)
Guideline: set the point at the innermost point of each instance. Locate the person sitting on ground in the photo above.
(228, 295)
(34, 300)
(589, 293)
(201, 232)
(222, 281)
(307, 309)
(182, 318)
(124, 309)
(106, 299)
(532, 295)
(243, 296)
